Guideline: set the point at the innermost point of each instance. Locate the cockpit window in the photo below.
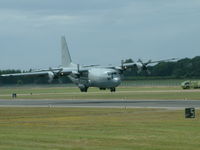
(112, 74)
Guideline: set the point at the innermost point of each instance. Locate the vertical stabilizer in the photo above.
(66, 58)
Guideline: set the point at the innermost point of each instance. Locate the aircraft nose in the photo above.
(117, 80)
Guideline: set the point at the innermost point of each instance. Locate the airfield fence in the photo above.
(165, 82)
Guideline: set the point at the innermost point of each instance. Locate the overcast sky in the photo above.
(97, 31)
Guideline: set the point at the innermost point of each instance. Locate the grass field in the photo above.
(97, 129)
(123, 92)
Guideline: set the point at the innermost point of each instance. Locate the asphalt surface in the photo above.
(173, 104)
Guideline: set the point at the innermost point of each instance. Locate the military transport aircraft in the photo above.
(86, 76)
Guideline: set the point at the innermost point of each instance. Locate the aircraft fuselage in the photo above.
(98, 77)
(104, 78)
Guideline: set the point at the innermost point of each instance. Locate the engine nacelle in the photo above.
(50, 76)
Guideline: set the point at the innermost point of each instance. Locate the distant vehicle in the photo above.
(108, 77)
(190, 84)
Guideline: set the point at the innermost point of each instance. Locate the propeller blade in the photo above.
(78, 68)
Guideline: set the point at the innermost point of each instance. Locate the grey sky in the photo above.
(97, 31)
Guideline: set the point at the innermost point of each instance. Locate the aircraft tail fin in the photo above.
(66, 58)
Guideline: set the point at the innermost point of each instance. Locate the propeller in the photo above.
(152, 62)
(143, 67)
(145, 64)
(78, 73)
(122, 64)
(78, 68)
(54, 75)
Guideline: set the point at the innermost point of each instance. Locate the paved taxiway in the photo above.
(176, 104)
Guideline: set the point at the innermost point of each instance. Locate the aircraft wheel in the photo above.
(112, 89)
(84, 89)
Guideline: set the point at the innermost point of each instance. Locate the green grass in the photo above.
(126, 92)
(99, 129)
(154, 82)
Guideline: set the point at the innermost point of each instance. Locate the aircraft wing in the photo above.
(128, 65)
(51, 73)
(25, 74)
(125, 66)
(76, 71)
(34, 73)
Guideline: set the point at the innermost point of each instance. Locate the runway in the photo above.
(169, 104)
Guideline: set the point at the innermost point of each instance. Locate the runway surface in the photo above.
(170, 104)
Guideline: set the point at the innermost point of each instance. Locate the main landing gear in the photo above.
(84, 89)
(113, 89)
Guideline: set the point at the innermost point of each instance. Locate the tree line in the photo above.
(183, 68)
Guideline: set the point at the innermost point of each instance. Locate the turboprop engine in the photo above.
(50, 76)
